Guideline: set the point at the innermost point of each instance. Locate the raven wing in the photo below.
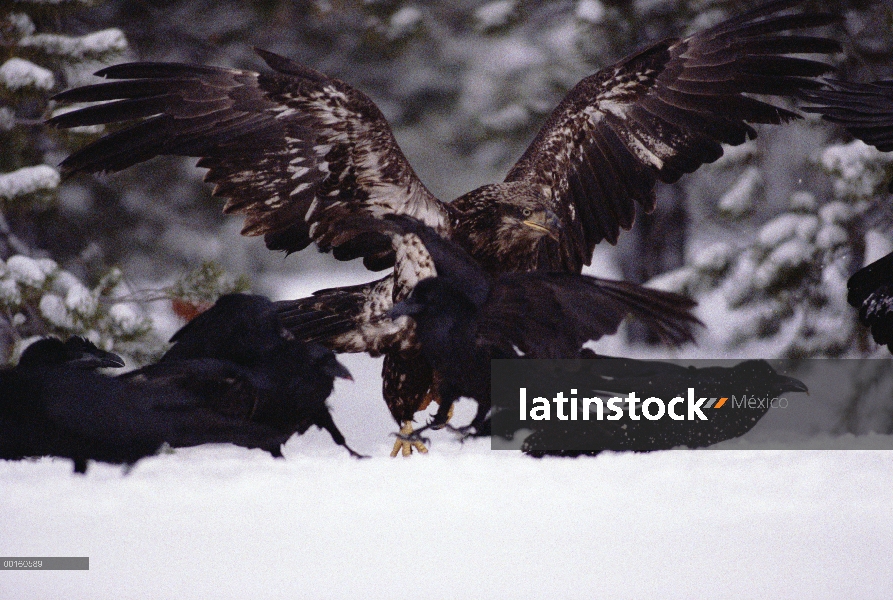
(551, 315)
(864, 109)
(664, 112)
(870, 290)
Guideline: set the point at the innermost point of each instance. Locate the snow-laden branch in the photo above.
(92, 44)
(17, 73)
(28, 180)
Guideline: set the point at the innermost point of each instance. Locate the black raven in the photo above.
(24, 429)
(240, 361)
(299, 153)
(870, 290)
(464, 316)
(244, 382)
(753, 384)
(71, 411)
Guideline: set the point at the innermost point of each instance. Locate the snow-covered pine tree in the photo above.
(37, 296)
(783, 289)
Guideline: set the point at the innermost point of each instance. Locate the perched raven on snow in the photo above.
(606, 377)
(25, 429)
(238, 359)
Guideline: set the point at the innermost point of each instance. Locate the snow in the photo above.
(461, 522)
(715, 258)
(836, 212)
(20, 23)
(81, 300)
(495, 14)
(10, 294)
(786, 226)
(28, 180)
(17, 73)
(53, 309)
(127, 318)
(830, 237)
(803, 201)
(877, 245)
(591, 11)
(739, 199)
(7, 119)
(28, 271)
(858, 168)
(404, 22)
(78, 47)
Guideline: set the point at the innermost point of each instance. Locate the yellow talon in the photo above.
(406, 446)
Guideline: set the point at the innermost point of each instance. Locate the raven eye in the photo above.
(526, 212)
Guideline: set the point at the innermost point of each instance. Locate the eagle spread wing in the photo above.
(294, 151)
(664, 112)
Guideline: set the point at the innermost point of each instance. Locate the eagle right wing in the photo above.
(295, 151)
(664, 112)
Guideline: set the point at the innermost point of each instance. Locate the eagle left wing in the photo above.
(295, 151)
(664, 112)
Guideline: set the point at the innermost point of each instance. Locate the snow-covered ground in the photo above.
(462, 522)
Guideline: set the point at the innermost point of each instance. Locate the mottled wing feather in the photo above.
(662, 113)
(294, 151)
(864, 109)
(354, 319)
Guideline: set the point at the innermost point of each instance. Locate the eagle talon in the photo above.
(407, 439)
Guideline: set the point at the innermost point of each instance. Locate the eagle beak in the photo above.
(547, 222)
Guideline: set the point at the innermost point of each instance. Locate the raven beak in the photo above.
(547, 222)
(99, 359)
(339, 370)
(789, 384)
(402, 309)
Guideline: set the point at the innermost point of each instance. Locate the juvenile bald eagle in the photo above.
(298, 153)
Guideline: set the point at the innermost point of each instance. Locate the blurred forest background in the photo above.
(765, 238)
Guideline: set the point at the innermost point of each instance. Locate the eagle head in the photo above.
(504, 224)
